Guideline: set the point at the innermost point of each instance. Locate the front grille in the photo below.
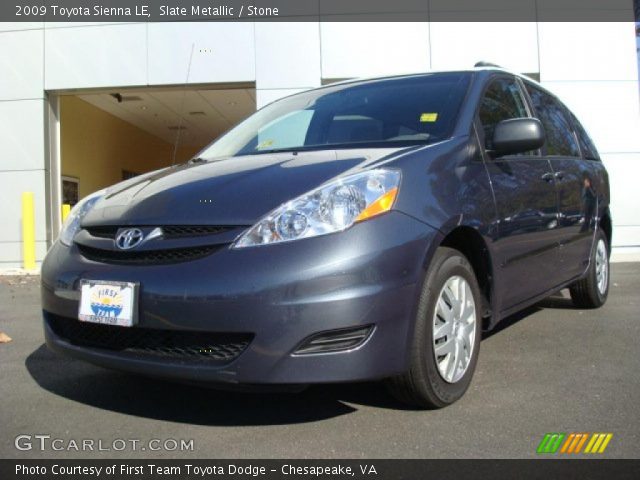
(168, 231)
(176, 344)
(147, 257)
(103, 232)
(174, 231)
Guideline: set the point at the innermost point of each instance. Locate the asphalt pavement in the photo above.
(552, 368)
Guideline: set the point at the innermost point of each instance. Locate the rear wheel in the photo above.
(592, 290)
(447, 335)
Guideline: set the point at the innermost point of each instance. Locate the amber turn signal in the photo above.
(381, 205)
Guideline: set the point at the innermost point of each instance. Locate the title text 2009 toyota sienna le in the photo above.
(365, 230)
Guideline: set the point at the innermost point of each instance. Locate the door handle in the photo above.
(548, 177)
(559, 175)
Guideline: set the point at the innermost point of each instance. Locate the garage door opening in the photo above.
(109, 136)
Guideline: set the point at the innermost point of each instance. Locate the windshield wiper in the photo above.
(391, 143)
(197, 160)
(276, 150)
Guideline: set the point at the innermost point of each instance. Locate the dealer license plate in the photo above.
(111, 303)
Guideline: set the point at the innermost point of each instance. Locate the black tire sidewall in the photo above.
(450, 263)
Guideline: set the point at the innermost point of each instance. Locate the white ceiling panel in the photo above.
(201, 114)
(233, 105)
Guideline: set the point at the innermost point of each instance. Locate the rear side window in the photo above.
(589, 150)
(502, 101)
(557, 126)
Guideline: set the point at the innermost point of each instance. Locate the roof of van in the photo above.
(485, 67)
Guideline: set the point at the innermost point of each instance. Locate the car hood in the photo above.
(231, 191)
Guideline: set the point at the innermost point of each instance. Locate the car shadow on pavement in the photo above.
(557, 301)
(510, 321)
(159, 399)
(184, 403)
(560, 300)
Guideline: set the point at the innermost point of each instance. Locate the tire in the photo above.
(592, 290)
(424, 385)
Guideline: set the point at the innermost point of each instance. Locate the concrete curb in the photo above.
(19, 272)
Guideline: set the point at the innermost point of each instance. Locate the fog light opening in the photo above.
(335, 341)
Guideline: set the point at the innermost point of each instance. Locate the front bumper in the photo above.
(281, 294)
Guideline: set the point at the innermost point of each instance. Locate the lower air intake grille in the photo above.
(147, 257)
(177, 344)
(335, 340)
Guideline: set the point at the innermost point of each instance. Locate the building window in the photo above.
(70, 190)
(127, 174)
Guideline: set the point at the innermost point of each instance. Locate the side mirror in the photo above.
(517, 135)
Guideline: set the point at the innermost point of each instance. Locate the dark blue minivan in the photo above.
(365, 230)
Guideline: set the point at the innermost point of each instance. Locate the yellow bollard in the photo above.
(28, 232)
(66, 209)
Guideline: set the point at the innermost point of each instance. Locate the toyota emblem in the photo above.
(129, 238)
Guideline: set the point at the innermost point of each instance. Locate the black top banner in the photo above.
(316, 10)
(319, 469)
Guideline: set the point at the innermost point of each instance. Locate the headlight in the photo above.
(72, 223)
(330, 208)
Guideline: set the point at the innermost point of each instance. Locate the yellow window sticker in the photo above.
(264, 144)
(428, 117)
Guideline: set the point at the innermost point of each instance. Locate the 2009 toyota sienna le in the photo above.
(365, 230)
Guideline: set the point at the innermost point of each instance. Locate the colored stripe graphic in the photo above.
(551, 442)
(598, 443)
(574, 442)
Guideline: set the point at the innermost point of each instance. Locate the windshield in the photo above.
(381, 113)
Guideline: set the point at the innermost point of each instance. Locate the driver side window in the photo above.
(502, 101)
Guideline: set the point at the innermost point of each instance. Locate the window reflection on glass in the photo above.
(502, 101)
(560, 140)
(414, 110)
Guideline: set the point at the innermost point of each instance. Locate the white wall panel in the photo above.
(287, 54)
(22, 135)
(222, 52)
(461, 45)
(264, 97)
(625, 195)
(11, 254)
(626, 236)
(372, 49)
(587, 51)
(13, 184)
(610, 111)
(21, 72)
(97, 56)
(13, 26)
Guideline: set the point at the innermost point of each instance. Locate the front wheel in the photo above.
(447, 333)
(592, 290)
